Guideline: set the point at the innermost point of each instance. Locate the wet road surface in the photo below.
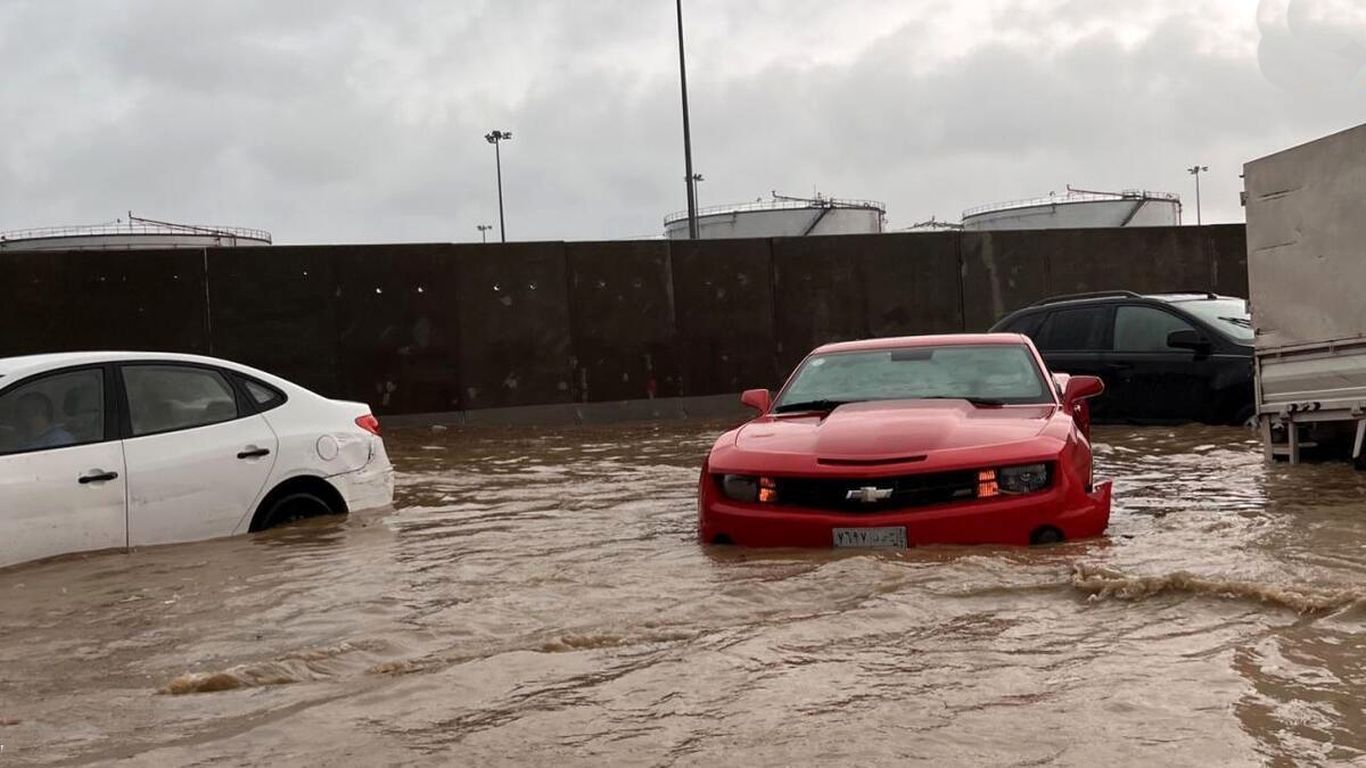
(538, 598)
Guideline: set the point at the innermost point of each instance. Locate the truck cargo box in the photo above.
(1306, 242)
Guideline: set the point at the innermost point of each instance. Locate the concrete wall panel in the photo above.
(154, 302)
(514, 324)
(622, 319)
(1227, 246)
(398, 327)
(912, 284)
(64, 301)
(1143, 259)
(36, 293)
(723, 294)
(818, 294)
(275, 308)
(1002, 271)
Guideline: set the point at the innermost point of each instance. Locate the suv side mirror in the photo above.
(1188, 339)
(1080, 388)
(759, 399)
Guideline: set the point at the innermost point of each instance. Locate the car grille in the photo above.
(906, 491)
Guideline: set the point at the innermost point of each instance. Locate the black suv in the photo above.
(1165, 358)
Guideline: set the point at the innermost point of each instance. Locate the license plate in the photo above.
(871, 537)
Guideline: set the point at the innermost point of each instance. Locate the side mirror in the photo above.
(1080, 388)
(759, 399)
(1187, 339)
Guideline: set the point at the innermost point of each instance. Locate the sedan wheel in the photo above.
(295, 507)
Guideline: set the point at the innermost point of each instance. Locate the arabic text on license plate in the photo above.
(871, 537)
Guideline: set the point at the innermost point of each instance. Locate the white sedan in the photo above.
(113, 450)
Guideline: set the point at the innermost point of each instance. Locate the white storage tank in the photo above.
(1079, 209)
(782, 217)
(131, 234)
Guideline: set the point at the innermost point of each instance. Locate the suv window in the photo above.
(163, 398)
(1145, 329)
(1073, 329)
(1027, 324)
(55, 411)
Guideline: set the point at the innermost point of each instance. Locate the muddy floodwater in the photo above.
(538, 599)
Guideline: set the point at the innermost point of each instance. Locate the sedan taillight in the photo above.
(369, 423)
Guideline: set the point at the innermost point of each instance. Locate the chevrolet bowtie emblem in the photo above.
(868, 494)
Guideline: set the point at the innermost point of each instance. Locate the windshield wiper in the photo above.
(1242, 322)
(812, 405)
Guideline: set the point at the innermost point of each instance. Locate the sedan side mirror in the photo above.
(759, 399)
(1080, 388)
(1188, 339)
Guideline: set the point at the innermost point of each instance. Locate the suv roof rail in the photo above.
(1206, 294)
(1092, 295)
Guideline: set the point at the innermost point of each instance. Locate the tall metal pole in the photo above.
(687, 132)
(1195, 171)
(1199, 217)
(495, 138)
(502, 222)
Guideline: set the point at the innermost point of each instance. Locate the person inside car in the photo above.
(36, 424)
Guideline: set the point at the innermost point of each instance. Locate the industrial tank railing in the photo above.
(136, 227)
(1072, 197)
(778, 205)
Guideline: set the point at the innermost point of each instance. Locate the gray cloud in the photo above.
(345, 121)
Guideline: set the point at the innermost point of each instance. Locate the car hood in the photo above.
(887, 430)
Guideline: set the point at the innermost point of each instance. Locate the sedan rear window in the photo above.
(265, 396)
(163, 398)
(998, 373)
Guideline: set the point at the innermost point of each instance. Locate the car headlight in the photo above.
(1029, 478)
(749, 488)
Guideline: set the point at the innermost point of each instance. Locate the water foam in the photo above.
(1099, 583)
(305, 666)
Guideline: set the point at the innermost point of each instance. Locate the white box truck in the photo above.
(1306, 243)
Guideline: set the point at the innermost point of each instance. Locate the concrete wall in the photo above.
(421, 329)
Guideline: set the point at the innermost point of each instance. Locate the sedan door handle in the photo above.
(97, 476)
(253, 453)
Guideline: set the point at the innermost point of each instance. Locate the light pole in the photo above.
(494, 138)
(1195, 171)
(696, 179)
(483, 231)
(687, 133)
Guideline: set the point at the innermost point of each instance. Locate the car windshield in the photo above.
(1229, 316)
(996, 374)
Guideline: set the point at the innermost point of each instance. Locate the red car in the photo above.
(901, 442)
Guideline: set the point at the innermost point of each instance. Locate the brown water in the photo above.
(538, 598)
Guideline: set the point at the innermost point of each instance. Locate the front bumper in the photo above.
(1011, 520)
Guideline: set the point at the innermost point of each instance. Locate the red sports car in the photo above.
(900, 442)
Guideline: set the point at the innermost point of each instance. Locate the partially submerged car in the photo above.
(109, 450)
(899, 442)
(1165, 358)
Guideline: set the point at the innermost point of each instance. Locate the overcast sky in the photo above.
(342, 121)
